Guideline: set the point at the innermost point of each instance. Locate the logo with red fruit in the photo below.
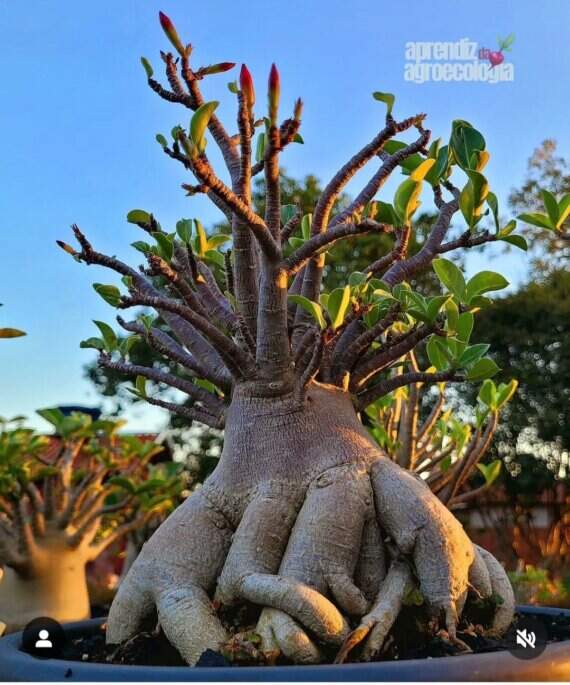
(497, 57)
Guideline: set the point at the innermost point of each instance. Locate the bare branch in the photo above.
(322, 241)
(193, 414)
(404, 270)
(211, 402)
(386, 386)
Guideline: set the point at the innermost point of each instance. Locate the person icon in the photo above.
(44, 642)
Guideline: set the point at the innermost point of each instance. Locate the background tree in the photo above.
(301, 492)
(546, 170)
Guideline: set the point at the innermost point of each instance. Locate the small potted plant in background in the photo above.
(63, 501)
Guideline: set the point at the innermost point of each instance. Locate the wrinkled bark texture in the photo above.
(303, 515)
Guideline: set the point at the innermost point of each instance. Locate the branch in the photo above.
(188, 335)
(317, 243)
(364, 340)
(377, 361)
(377, 181)
(167, 346)
(204, 172)
(384, 387)
(467, 240)
(404, 270)
(210, 401)
(191, 413)
(237, 362)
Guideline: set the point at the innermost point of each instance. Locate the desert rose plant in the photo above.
(304, 516)
(59, 511)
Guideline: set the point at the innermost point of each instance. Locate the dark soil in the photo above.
(409, 640)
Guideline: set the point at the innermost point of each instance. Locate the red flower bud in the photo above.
(246, 86)
(170, 30)
(274, 91)
(218, 68)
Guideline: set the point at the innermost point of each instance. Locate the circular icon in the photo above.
(527, 638)
(43, 637)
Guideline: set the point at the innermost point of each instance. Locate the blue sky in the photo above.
(78, 127)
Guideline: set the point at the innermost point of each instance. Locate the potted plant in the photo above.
(305, 517)
(63, 501)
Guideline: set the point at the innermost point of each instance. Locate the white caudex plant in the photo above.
(305, 515)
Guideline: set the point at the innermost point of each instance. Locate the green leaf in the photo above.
(141, 246)
(551, 207)
(516, 240)
(108, 334)
(296, 242)
(215, 257)
(110, 293)
(435, 304)
(435, 354)
(147, 67)
(484, 368)
(387, 98)
(11, 333)
(473, 196)
(165, 244)
(507, 229)
(140, 385)
(199, 123)
(288, 212)
(450, 276)
(441, 164)
(128, 343)
(494, 206)
(536, 219)
(564, 210)
(260, 147)
(161, 140)
(472, 354)
(184, 230)
(138, 216)
(298, 138)
(122, 482)
(214, 241)
(306, 223)
(233, 87)
(202, 238)
(52, 415)
(488, 394)
(406, 199)
(505, 392)
(93, 344)
(490, 471)
(337, 305)
(420, 172)
(465, 326)
(465, 142)
(311, 307)
(484, 282)
(385, 213)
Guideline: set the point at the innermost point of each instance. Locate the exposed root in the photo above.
(378, 622)
(502, 588)
(421, 526)
(309, 607)
(279, 631)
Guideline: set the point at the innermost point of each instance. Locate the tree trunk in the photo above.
(56, 587)
(287, 521)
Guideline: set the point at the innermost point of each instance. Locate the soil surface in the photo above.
(408, 640)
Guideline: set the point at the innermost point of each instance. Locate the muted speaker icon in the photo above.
(526, 638)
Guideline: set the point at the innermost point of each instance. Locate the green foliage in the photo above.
(387, 98)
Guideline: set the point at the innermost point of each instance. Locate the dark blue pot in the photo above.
(552, 665)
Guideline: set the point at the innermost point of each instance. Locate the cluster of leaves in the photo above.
(125, 459)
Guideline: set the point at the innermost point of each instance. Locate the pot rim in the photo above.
(554, 663)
